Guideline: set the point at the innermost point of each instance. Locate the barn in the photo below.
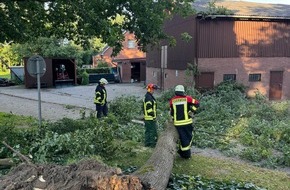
(251, 48)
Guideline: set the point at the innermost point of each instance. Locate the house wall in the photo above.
(124, 58)
(242, 67)
(170, 78)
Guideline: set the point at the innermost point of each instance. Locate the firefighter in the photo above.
(101, 98)
(149, 109)
(182, 108)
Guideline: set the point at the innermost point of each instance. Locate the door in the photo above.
(276, 81)
(205, 81)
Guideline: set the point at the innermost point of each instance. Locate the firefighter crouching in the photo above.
(181, 106)
(149, 109)
(101, 98)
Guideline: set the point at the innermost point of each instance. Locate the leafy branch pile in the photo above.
(253, 129)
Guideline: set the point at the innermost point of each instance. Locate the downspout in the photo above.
(196, 48)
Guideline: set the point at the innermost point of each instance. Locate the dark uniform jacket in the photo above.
(100, 95)
(180, 108)
(149, 107)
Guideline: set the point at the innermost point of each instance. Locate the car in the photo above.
(6, 82)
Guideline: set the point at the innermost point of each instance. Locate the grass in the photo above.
(214, 168)
(8, 119)
(226, 170)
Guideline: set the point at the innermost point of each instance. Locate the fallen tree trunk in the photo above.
(156, 171)
(92, 175)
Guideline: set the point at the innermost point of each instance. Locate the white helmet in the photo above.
(179, 88)
(103, 81)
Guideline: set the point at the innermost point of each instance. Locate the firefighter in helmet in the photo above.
(181, 107)
(101, 98)
(149, 109)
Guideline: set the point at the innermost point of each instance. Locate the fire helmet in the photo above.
(151, 87)
(179, 88)
(103, 81)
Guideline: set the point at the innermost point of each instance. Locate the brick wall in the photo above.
(242, 67)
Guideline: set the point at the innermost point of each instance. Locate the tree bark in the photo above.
(6, 163)
(156, 171)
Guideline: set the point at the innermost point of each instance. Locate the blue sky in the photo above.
(270, 1)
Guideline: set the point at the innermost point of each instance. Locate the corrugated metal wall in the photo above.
(183, 51)
(242, 38)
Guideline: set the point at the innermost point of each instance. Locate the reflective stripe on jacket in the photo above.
(100, 95)
(149, 107)
(180, 107)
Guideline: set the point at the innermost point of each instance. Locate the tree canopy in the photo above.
(80, 21)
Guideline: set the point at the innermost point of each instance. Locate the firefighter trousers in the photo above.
(150, 133)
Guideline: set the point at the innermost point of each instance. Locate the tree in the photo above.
(81, 21)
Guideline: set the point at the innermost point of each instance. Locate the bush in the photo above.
(85, 78)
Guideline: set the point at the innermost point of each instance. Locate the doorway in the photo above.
(135, 71)
(276, 81)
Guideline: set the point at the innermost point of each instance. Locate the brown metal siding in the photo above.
(240, 38)
(48, 79)
(182, 52)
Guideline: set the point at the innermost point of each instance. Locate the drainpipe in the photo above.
(196, 46)
(163, 64)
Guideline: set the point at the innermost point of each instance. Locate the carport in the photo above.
(59, 72)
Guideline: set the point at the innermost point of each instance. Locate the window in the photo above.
(254, 77)
(229, 77)
(131, 44)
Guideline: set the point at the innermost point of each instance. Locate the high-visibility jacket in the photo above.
(180, 107)
(100, 95)
(149, 106)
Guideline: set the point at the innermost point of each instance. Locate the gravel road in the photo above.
(57, 103)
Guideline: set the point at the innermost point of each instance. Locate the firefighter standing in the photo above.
(181, 106)
(101, 98)
(149, 109)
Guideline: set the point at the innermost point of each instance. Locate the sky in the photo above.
(270, 1)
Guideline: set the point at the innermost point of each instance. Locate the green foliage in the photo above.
(81, 21)
(126, 108)
(52, 47)
(7, 57)
(85, 78)
(180, 182)
(99, 70)
(212, 10)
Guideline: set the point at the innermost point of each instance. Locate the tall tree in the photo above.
(80, 21)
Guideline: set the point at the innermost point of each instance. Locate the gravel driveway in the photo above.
(57, 103)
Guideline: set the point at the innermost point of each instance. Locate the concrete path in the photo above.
(55, 101)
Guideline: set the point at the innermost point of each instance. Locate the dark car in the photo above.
(6, 82)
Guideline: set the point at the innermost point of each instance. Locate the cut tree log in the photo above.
(6, 163)
(156, 171)
(93, 175)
